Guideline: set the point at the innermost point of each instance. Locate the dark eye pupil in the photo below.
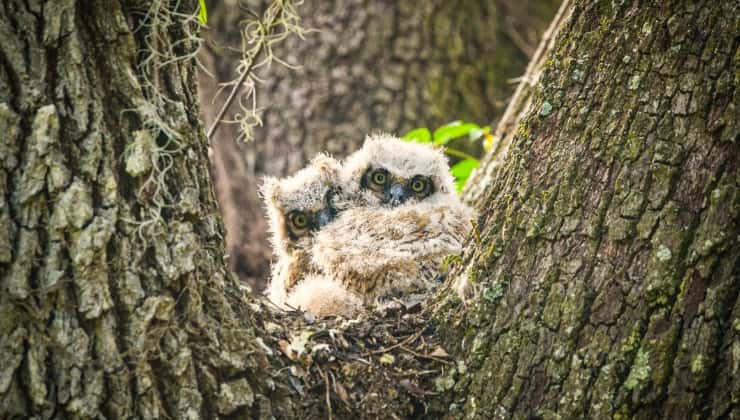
(379, 177)
(418, 185)
(299, 220)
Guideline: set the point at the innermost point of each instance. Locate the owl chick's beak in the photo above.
(397, 194)
(325, 216)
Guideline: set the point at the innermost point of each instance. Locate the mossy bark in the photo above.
(603, 277)
(364, 66)
(115, 302)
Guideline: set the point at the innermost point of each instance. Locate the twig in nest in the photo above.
(326, 382)
(343, 394)
(424, 356)
(275, 305)
(419, 373)
(407, 340)
(359, 359)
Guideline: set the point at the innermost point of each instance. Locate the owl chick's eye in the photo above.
(299, 219)
(330, 197)
(379, 176)
(419, 185)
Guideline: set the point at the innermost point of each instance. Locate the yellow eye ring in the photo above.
(379, 177)
(299, 220)
(418, 185)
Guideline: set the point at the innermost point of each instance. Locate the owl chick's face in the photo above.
(387, 172)
(301, 204)
(393, 190)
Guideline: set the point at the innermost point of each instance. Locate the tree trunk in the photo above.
(366, 66)
(114, 297)
(603, 280)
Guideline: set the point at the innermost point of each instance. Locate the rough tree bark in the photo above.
(114, 298)
(604, 277)
(369, 65)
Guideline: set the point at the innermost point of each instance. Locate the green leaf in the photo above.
(419, 135)
(203, 12)
(462, 170)
(460, 185)
(479, 133)
(453, 130)
(475, 134)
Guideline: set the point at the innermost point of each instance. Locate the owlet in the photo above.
(297, 207)
(402, 218)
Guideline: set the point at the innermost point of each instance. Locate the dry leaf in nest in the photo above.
(296, 384)
(387, 359)
(439, 352)
(298, 342)
(284, 347)
(272, 328)
(297, 371)
(342, 392)
(412, 388)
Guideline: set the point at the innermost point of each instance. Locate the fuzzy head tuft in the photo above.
(401, 159)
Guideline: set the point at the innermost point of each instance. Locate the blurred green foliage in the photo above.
(202, 12)
(445, 134)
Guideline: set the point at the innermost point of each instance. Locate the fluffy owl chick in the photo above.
(387, 172)
(297, 207)
(406, 218)
(322, 295)
(378, 253)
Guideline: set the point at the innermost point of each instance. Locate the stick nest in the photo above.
(383, 364)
